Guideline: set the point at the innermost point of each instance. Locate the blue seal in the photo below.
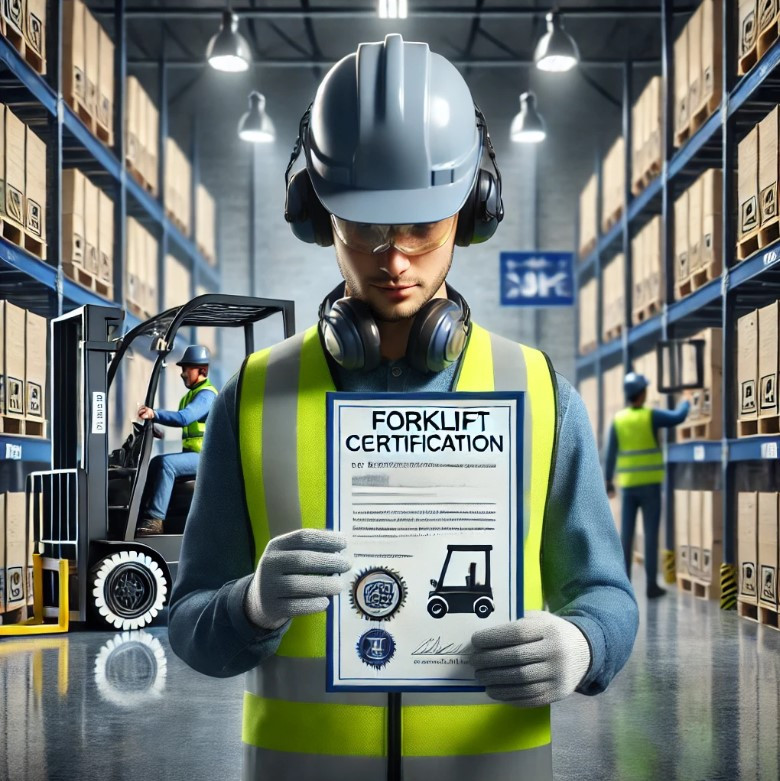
(376, 648)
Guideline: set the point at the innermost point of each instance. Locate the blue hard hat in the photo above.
(195, 355)
(634, 384)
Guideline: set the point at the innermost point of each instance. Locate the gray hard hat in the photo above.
(634, 384)
(195, 355)
(393, 136)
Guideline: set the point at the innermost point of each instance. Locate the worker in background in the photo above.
(634, 448)
(393, 180)
(191, 417)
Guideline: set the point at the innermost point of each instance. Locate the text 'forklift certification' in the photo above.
(430, 491)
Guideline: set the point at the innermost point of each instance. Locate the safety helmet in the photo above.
(195, 355)
(634, 384)
(393, 137)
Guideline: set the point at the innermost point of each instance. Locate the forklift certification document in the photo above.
(429, 490)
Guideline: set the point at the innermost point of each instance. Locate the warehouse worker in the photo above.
(393, 144)
(191, 417)
(634, 447)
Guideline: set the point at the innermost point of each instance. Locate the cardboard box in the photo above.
(152, 143)
(682, 540)
(767, 549)
(681, 265)
(747, 546)
(637, 273)
(747, 365)
(12, 150)
(74, 77)
(13, 551)
(13, 14)
(653, 122)
(35, 27)
(36, 364)
(712, 535)
(132, 283)
(711, 53)
(695, 533)
(105, 107)
(588, 222)
(694, 60)
(205, 224)
(142, 129)
(12, 338)
(132, 112)
(35, 185)
(710, 406)
(178, 283)
(656, 277)
(712, 222)
(695, 192)
(91, 227)
(152, 273)
(587, 308)
(746, 26)
(73, 239)
(638, 136)
(681, 81)
(105, 238)
(91, 60)
(768, 166)
(747, 183)
(768, 360)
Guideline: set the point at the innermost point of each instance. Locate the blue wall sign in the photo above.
(537, 279)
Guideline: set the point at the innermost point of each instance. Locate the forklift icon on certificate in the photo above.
(454, 596)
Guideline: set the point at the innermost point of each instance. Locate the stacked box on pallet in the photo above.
(613, 184)
(768, 165)
(705, 419)
(694, 225)
(105, 99)
(695, 509)
(694, 60)
(767, 550)
(74, 77)
(587, 309)
(133, 282)
(35, 34)
(12, 336)
(638, 277)
(711, 539)
(747, 188)
(91, 61)
(711, 58)
(91, 227)
(73, 238)
(178, 183)
(588, 222)
(178, 283)
(747, 29)
(151, 265)
(36, 329)
(653, 263)
(35, 190)
(206, 335)
(106, 240)
(682, 538)
(681, 82)
(151, 145)
(768, 348)
(613, 298)
(646, 131)
(747, 546)
(589, 392)
(682, 270)
(12, 145)
(132, 126)
(747, 374)
(712, 224)
(206, 224)
(13, 552)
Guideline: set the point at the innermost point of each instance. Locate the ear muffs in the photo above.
(350, 334)
(478, 217)
(309, 220)
(438, 336)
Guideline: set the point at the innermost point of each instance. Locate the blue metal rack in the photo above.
(41, 286)
(743, 285)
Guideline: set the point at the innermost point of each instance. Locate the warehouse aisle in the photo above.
(698, 700)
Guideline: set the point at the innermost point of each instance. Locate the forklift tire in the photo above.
(128, 590)
(483, 607)
(437, 607)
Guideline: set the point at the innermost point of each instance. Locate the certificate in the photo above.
(428, 489)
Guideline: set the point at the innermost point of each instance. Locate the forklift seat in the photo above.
(179, 507)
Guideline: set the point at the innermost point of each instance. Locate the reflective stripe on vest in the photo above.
(639, 460)
(286, 709)
(192, 435)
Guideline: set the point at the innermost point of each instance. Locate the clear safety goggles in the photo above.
(413, 239)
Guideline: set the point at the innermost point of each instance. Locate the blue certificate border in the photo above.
(331, 397)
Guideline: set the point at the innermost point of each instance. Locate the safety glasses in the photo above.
(413, 239)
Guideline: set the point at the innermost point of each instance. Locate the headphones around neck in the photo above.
(478, 218)
(351, 337)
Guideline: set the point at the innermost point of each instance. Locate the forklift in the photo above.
(85, 510)
(472, 596)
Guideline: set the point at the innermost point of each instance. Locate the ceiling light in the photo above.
(556, 50)
(255, 125)
(393, 9)
(528, 127)
(228, 50)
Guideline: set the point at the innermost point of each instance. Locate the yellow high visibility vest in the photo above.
(192, 435)
(292, 727)
(640, 461)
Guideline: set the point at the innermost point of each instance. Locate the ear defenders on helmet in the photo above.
(478, 218)
(438, 336)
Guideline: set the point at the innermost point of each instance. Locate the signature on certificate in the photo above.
(433, 646)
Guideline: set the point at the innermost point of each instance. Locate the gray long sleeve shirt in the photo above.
(583, 574)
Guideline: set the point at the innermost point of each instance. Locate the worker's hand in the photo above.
(533, 661)
(611, 493)
(145, 413)
(296, 575)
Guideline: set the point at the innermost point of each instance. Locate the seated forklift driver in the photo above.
(191, 419)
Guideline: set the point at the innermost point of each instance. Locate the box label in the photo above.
(768, 584)
(698, 453)
(14, 397)
(748, 403)
(769, 450)
(98, 413)
(34, 399)
(15, 584)
(747, 580)
(13, 452)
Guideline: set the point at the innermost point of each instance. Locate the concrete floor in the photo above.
(697, 701)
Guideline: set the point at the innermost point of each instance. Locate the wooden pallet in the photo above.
(683, 288)
(769, 233)
(135, 309)
(87, 279)
(32, 56)
(683, 134)
(748, 245)
(611, 220)
(698, 588)
(770, 424)
(705, 274)
(696, 430)
(16, 616)
(747, 60)
(35, 427)
(207, 256)
(650, 309)
(12, 231)
(140, 178)
(588, 348)
(767, 37)
(12, 424)
(21, 426)
(587, 248)
(177, 222)
(760, 614)
(747, 428)
(642, 181)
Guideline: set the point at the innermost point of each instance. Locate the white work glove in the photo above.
(296, 575)
(533, 661)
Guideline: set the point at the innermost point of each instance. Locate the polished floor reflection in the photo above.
(698, 701)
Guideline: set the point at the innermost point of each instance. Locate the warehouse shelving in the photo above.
(42, 286)
(743, 285)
